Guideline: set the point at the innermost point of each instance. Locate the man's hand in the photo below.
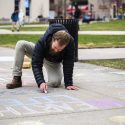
(72, 88)
(44, 87)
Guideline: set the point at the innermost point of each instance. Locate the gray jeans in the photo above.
(54, 70)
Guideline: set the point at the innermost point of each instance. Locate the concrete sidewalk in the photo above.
(83, 54)
(5, 31)
(99, 101)
(101, 53)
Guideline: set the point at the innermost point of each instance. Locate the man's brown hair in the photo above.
(62, 36)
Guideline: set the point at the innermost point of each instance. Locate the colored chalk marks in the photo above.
(118, 119)
(106, 103)
(51, 104)
(30, 106)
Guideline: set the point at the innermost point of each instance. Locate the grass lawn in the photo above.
(114, 63)
(10, 40)
(101, 41)
(102, 26)
(99, 26)
(33, 28)
(85, 41)
(29, 28)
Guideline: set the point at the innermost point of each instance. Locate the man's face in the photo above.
(56, 48)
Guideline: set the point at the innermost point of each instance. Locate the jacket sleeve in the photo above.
(37, 63)
(68, 64)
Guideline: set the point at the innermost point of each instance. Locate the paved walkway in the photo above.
(99, 101)
(83, 54)
(4, 31)
(102, 53)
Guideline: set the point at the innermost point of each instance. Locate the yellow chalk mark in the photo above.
(118, 119)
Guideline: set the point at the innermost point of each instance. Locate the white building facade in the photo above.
(37, 7)
(103, 8)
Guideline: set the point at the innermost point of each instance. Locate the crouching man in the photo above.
(53, 49)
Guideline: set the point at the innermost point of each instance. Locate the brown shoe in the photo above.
(16, 82)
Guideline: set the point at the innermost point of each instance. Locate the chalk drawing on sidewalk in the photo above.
(51, 104)
(118, 119)
(42, 105)
(106, 103)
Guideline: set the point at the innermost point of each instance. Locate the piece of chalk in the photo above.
(45, 91)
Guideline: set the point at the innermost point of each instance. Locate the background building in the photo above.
(103, 8)
(31, 8)
(99, 9)
(44, 9)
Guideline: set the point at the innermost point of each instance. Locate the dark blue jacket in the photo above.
(14, 16)
(41, 51)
